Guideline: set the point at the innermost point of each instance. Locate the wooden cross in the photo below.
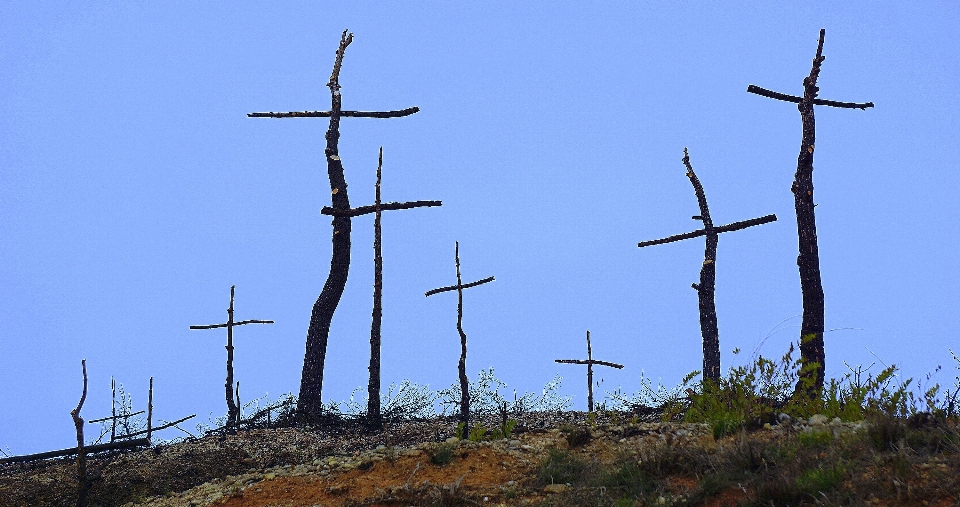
(309, 403)
(590, 361)
(373, 386)
(808, 258)
(233, 411)
(462, 366)
(705, 289)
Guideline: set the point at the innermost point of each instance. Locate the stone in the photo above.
(555, 488)
(817, 420)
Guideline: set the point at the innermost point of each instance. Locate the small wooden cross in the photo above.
(233, 412)
(590, 361)
(462, 366)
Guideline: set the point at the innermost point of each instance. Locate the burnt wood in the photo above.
(309, 403)
(124, 444)
(83, 484)
(589, 361)
(812, 356)
(462, 365)
(709, 330)
(374, 418)
(233, 409)
(326, 114)
(364, 210)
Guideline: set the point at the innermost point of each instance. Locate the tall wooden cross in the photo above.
(233, 411)
(708, 274)
(808, 260)
(589, 361)
(373, 386)
(309, 403)
(462, 366)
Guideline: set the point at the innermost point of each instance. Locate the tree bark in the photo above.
(706, 287)
(812, 354)
(309, 403)
(83, 484)
(462, 365)
(233, 412)
(373, 387)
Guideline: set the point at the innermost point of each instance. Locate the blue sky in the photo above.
(134, 192)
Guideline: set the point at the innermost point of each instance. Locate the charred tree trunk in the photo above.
(309, 403)
(83, 484)
(233, 412)
(812, 354)
(462, 365)
(373, 387)
(706, 287)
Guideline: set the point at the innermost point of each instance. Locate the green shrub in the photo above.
(441, 454)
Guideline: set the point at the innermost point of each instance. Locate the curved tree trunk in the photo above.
(309, 404)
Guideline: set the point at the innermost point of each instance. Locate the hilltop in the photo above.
(550, 458)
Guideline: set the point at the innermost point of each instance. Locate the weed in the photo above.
(628, 478)
(576, 436)
(820, 480)
(441, 454)
(561, 467)
(815, 438)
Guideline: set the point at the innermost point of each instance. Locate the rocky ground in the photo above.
(545, 461)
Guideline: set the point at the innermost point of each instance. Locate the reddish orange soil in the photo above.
(481, 472)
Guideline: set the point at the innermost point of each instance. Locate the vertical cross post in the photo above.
(705, 289)
(309, 403)
(462, 365)
(812, 356)
(373, 386)
(590, 361)
(233, 411)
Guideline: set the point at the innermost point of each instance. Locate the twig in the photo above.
(407, 485)
(158, 428)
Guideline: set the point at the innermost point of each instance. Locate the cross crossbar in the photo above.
(589, 361)
(796, 100)
(735, 226)
(343, 114)
(459, 286)
(242, 322)
(363, 210)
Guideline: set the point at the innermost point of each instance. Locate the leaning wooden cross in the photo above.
(462, 367)
(233, 411)
(808, 259)
(373, 386)
(705, 289)
(309, 404)
(590, 361)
